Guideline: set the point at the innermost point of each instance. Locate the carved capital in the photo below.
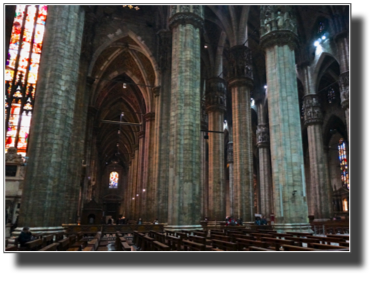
(195, 9)
(344, 89)
(277, 18)
(230, 153)
(186, 18)
(149, 116)
(312, 110)
(215, 94)
(262, 133)
(240, 63)
(156, 91)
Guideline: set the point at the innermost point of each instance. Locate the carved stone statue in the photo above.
(12, 157)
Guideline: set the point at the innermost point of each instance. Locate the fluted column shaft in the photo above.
(43, 200)
(134, 184)
(139, 211)
(230, 163)
(184, 159)
(241, 85)
(216, 106)
(265, 174)
(278, 39)
(149, 197)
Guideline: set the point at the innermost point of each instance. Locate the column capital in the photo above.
(240, 65)
(185, 17)
(215, 94)
(312, 110)
(278, 26)
(344, 89)
(262, 133)
(149, 116)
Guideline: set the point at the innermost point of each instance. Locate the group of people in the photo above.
(123, 221)
(261, 221)
(231, 221)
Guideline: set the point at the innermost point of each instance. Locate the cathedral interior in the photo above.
(181, 113)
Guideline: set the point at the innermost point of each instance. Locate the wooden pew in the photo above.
(245, 243)
(277, 243)
(64, 244)
(328, 247)
(170, 233)
(193, 246)
(220, 237)
(147, 243)
(158, 246)
(94, 243)
(11, 248)
(125, 246)
(48, 240)
(174, 243)
(253, 248)
(182, 235)
(327, 240)
(298, 234)
(300, 241)
(50, 247)
(345, 237)
(297, 248)
(201, 240)
(224, 245)
(160, 237)
(34, 245)
(261, 235)
(201, 234)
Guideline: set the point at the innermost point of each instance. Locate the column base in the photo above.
(293, 227)
(182, 227)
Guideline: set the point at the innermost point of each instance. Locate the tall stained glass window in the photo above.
(21, 73)
(113, 180)
(343, 163)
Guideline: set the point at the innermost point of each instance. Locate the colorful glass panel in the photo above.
(113, 180)
(343, 163)
(21, 72)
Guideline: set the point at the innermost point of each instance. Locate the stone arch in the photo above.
(325, 60)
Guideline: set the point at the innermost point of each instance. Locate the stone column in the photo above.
(241, 84)
(204, 193)
(278, 39)
(318, 193)
(216, 106)
(342, 41)
(265, 174)
(134, 184)
(43, 201)
(128, 194)
(163, 106)
(230, 163)
(139, 211)
(184, 160)
(149, 197)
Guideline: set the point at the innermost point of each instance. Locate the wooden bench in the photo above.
(63, 244)
(74, 249)
(277, 243)
(224, 245)
(88, 248)
(125, 246)
(299, 234)
(245, 243)
(201, 234)
(344, 237)
(300, 241)
(182, 235)
(11, 248)
(147, 244)
(297, 248)
(160, 237)
(94, 243)
(327, 240)
(193, 246)
(170, 233)
(174, 243)
(158, 246)
(253, 248)
(328, 247)
(261, 235)
(220, 237)
(48, 240)
(281, 235)
(50, 247)
(102, 248)
(34, 245)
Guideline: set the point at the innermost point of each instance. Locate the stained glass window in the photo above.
(343, 164)
(113, 180)
(331, 95)
(21, 73)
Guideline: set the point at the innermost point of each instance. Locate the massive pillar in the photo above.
(43, 201)
(265, 174)
(139, 211)
(241, 84)
(216, 106)
(134, 198)
(204, 162)
(149, 195)
(163, 106)
(230, 166)
(184, 160)
(318, 194)
(76, 171)
(278, 39)
(342, 40)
